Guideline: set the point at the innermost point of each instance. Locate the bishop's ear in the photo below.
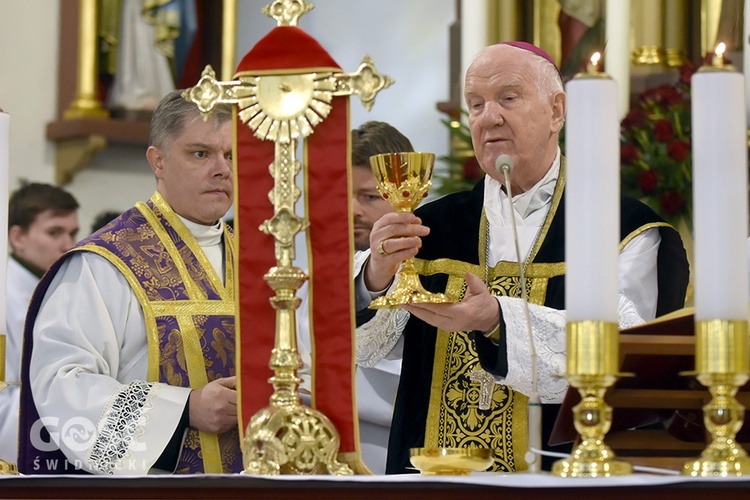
(558, 111)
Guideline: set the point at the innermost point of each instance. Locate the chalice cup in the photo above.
(403, 180)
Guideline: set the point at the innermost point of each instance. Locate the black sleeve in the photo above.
(364, 315)
(170, 455)
(493, 354)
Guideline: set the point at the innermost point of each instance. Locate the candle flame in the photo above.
(720, 48)
(592, 67)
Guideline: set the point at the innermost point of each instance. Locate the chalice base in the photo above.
(591, 461)
(8, 468)
(409, 290)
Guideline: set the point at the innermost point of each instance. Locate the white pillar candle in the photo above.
(592, 199)
(720, 218)
(473, 34)
(617, 52)
(4, 179)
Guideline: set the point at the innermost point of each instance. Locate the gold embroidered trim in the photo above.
(455, 356)
(191, 288)
(148, 314)
(194, 247)
(193, 308)
(196, 368)
(641, 230)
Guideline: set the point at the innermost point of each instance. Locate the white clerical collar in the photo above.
(528, 202)
(205, 235)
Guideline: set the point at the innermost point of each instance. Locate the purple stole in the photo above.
(189, 316)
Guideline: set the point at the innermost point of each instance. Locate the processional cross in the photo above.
(285, 108)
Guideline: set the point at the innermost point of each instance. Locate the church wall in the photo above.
(406, 40)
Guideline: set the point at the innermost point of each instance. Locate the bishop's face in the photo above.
(507, 115)
(194, 173)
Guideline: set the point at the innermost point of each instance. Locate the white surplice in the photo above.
(90, 350)
(20, 285)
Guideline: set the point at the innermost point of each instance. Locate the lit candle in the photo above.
(617, 55)
(592, 193)
(720, 197)
(4, 162)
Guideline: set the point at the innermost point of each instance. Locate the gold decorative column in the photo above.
(675, 32)
(228, 39)
(86, 103)
(647, 21)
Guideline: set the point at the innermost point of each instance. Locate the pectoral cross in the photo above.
(486, 387)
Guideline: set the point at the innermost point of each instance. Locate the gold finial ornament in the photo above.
(285, 107)
(366, 82)
(287, 12)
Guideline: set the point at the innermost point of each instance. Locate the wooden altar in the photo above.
(485, 485)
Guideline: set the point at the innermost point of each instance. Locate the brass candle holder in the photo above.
(6, 468)
(403, 181)
(722, 363)
(592, 364)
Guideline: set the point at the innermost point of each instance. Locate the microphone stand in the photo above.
(504, 164)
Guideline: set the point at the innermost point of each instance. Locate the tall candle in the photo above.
(720, 218)
(617, 54)
(4, 162)
(592, 194)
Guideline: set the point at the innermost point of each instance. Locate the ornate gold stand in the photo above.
(592, 363)
(6, 468)
(722, 360)
(287, 437)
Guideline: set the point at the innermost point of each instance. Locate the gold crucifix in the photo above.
(285, 108)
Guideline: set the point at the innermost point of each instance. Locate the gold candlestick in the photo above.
(722, 360)
(592, 365)
(6, 468)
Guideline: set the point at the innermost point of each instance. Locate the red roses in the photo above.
(655, 149)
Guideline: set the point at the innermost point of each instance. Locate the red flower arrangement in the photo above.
(655, 149)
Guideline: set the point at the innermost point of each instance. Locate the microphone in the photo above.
(504, 166)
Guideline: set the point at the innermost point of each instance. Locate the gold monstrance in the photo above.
(284, 106)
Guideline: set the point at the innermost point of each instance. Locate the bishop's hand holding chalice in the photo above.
(404, 180)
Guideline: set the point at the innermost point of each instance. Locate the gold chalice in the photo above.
(403, 181)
